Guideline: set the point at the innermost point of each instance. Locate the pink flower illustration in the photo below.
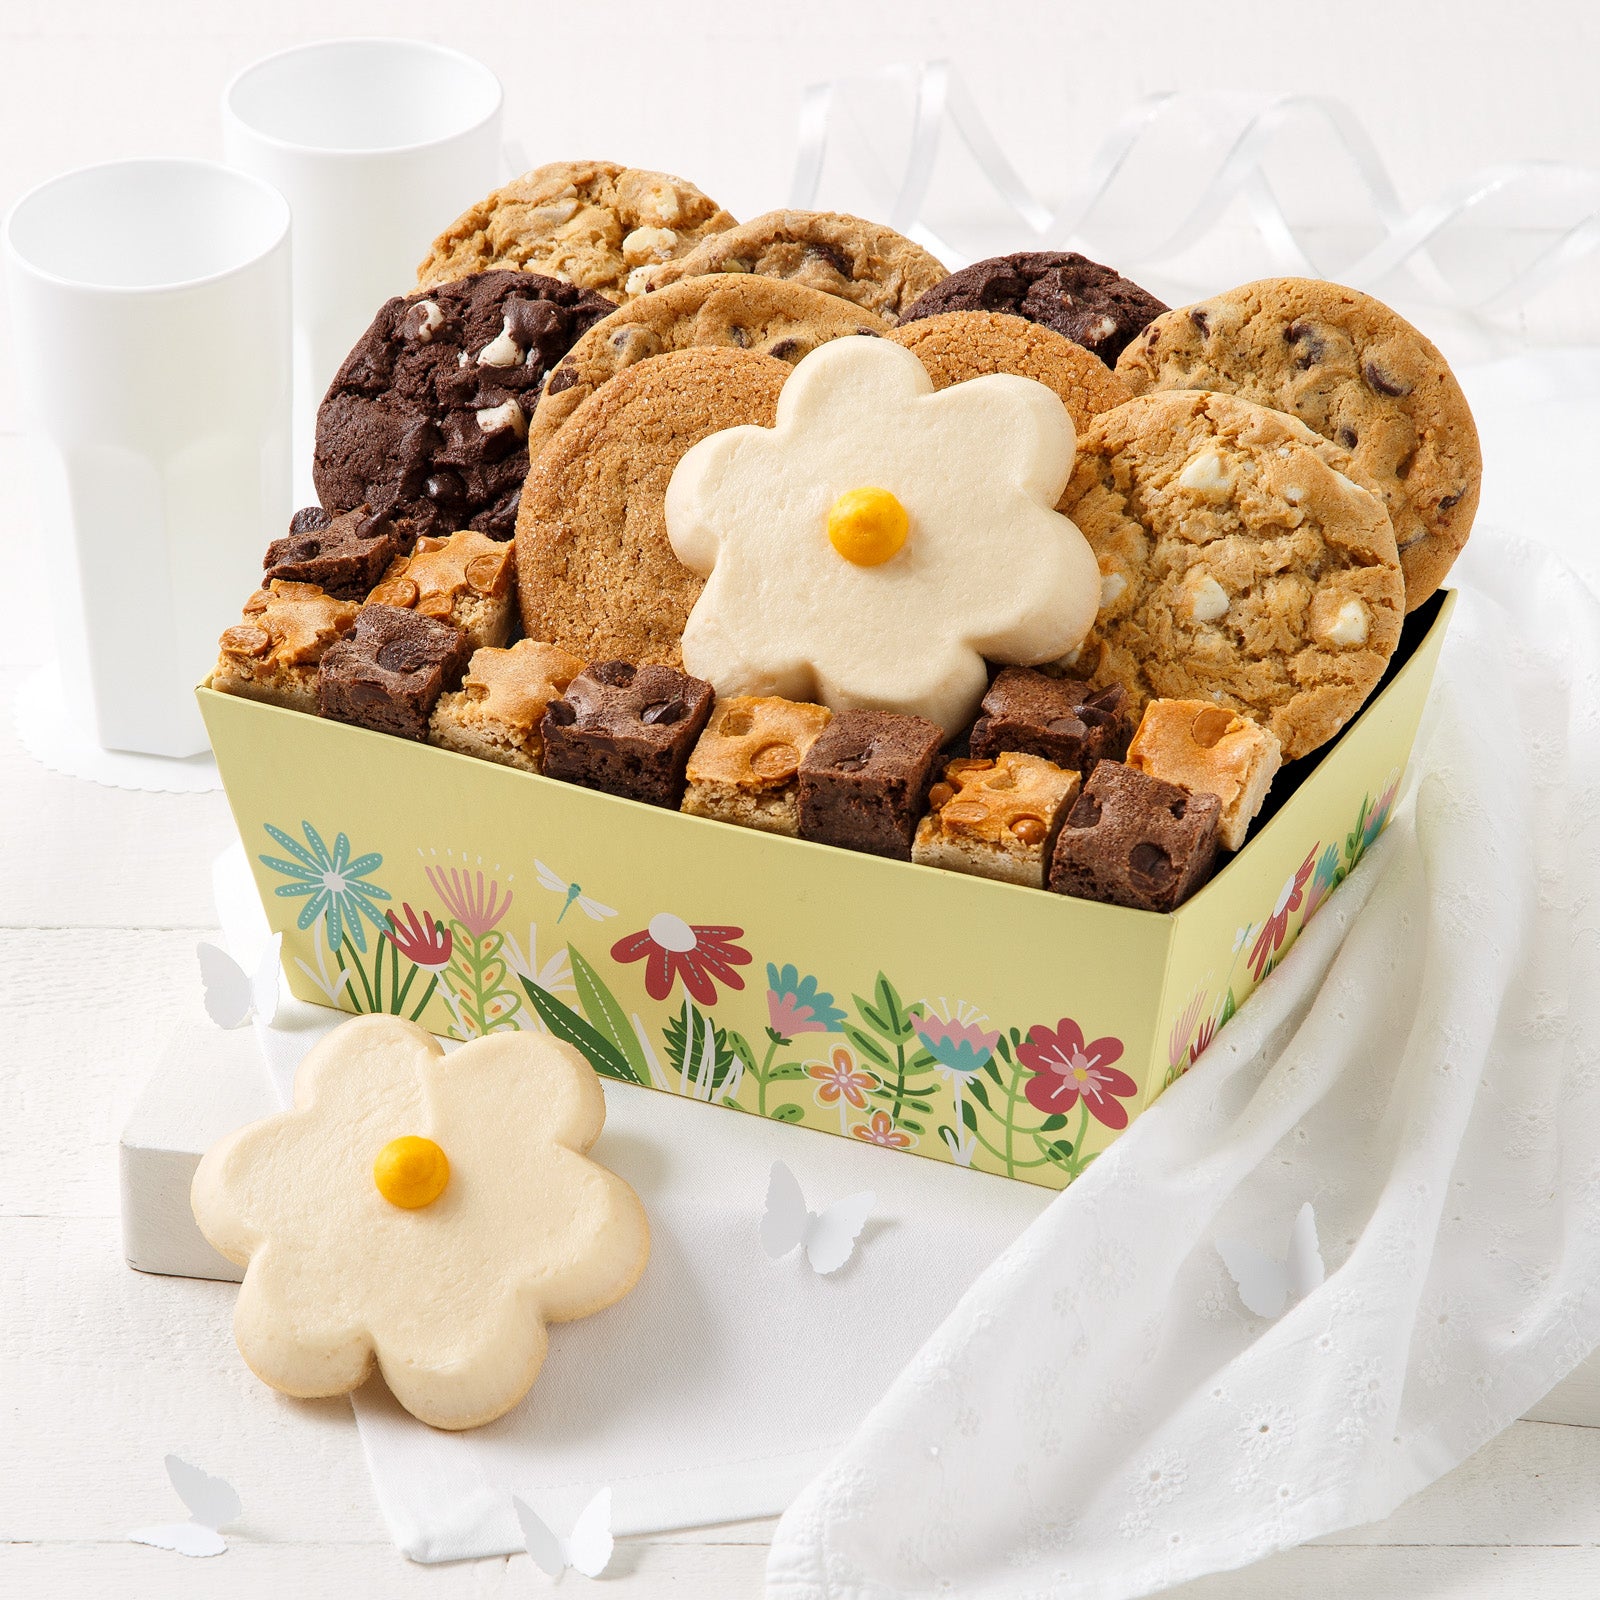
(1274, 930)
(673, 949)
(880, 1130)
(839, 1078)
(961, 1048)
(1183, 1029)
(423, 941)
(1202, 1040)
(1065, 1066)
(473, 900)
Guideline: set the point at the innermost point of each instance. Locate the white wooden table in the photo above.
(102, 897)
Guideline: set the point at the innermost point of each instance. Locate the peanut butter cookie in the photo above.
(591, 223)
(1355, 372)
(1240, 562)
(864, 262)
(595, 572)
(957, 345)
(742, 312)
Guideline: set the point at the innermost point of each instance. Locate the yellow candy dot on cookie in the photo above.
(867, 526)
(411, 1172)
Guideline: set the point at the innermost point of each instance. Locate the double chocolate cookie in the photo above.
(427, 420)
(1355, 372)
(1090, 304)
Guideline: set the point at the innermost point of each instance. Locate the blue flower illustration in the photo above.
(335, 883)
(795, 1005)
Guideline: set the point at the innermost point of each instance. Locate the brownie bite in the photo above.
(746, 767)
(274, 651)
(344, 555)
(1061, 720)
(1132, 840)
(864, 782)
(626, 730)
(995, 818)
(389, 673)
(497, 711)
(1209, 749)
(468, 580)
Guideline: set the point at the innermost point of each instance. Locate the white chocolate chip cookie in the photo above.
(1241, 563)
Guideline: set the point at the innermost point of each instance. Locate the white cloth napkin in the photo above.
(1100, 1416)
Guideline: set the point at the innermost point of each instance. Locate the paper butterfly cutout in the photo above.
(589, 1548)
(213, 1504)
(233, 995)
(828, 1237)
(1266, 1284)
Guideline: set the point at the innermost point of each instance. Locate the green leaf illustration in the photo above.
(698, 1049)
(565, 1023)
(969, 1115)
(867, 1045)
(1229, 1006)
(787, 1114)
(1051, 1123)
(606, 1015)
(978, 1091)
(788, 1069)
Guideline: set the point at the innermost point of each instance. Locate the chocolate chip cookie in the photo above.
(595, 572)
(740, 312)
(1090, 304)
(427, 420)
(591, 223)
(864, 262)
(957, 345)
(1240, 563)
(1355, 372)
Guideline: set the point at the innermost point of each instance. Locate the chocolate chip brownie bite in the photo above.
(1353, 371)
(427, 420)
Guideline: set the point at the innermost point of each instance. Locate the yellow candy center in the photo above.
(867, 526)
(411, 1172)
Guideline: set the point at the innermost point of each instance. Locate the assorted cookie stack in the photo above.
(1010, 571)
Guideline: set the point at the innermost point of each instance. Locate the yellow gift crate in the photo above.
(997, 1027)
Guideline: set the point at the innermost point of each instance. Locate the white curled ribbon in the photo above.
(1556, 203)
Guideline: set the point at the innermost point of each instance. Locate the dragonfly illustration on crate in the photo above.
(574, 895)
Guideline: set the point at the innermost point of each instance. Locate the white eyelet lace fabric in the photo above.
(1100, 1416)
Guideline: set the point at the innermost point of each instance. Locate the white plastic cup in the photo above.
(378, 145)
(150, 314)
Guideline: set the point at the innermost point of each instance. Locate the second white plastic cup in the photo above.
(378, 145)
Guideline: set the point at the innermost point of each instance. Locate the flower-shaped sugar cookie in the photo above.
(429, 1213)
(881, 541)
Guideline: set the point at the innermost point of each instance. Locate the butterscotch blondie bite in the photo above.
(996, 818)
(273, 653)
(1208, 749)
(496, 712)
(745, 768)
(467, 580)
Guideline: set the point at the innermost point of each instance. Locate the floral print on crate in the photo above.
(1306, 890)
(933, 1076)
